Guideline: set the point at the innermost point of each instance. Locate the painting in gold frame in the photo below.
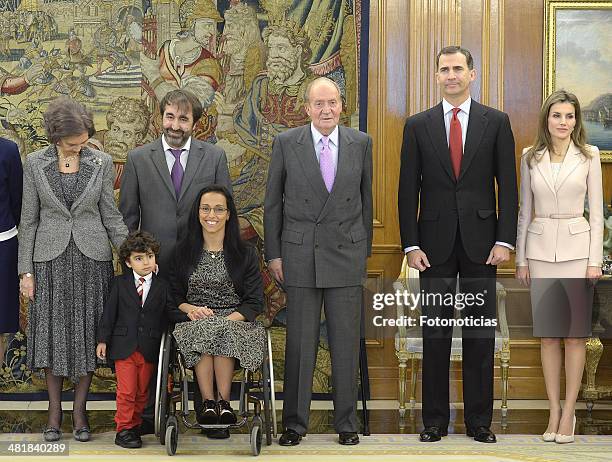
(578, 58)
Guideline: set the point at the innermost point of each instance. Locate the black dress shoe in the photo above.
(348, 438)
(482, 434)
(432, 434)
(128, 439)
(289, 438)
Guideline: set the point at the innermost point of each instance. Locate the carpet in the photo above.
(510, 448)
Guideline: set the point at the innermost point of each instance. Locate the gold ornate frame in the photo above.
(550, 34)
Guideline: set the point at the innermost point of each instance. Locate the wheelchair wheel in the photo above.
(267, 421)
(162, 401)
(171, 435)
(256, 436)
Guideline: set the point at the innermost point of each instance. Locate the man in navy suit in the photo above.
(11, 188)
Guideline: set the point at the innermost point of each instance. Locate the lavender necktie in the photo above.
(177, 171)
(327, 164)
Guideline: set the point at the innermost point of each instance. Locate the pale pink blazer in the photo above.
(543, 234)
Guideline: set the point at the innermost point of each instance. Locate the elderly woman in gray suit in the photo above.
(65, 259)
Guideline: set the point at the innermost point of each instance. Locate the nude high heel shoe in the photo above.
(549, 437)
(562, 439)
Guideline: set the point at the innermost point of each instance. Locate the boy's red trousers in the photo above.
(133, 375)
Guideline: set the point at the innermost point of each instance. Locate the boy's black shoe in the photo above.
(226, 413)
(207, 414)
(128, 439)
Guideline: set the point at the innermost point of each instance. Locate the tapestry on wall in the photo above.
(247, 61)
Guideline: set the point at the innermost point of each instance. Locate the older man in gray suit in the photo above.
(161, 179)
(160, 182)
(318, 235)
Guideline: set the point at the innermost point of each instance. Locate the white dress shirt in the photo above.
(333, 145)
(170, 157)
(146, 285)
(464, 116)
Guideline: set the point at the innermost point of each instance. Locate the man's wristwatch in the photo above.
(27, 275)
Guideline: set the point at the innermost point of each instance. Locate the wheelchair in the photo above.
(172, 388)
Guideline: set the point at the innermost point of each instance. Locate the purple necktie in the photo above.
(327, 164)
(177, 171)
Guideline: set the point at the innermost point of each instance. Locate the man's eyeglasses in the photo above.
(219, 210)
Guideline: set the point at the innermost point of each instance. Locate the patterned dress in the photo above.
(68, 301)
(210, 285)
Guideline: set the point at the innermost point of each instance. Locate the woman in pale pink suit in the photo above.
(559, 252)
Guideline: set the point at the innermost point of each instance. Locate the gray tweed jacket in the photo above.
(47, 223)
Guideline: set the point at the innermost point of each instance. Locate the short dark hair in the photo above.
(184, 100)
(451, 50)
(138, 241)
(66, 117)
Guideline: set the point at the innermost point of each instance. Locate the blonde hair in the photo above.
(543, 139)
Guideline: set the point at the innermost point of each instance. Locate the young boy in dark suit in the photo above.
(136, 313)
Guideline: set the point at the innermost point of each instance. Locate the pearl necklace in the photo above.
(67, 159)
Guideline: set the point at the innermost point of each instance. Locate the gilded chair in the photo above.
(409, 340)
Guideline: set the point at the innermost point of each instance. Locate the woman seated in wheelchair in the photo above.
(217, 282)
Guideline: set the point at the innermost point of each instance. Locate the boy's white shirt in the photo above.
(146, 285)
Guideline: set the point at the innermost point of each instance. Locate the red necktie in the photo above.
(140, 289)
(455, 143)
